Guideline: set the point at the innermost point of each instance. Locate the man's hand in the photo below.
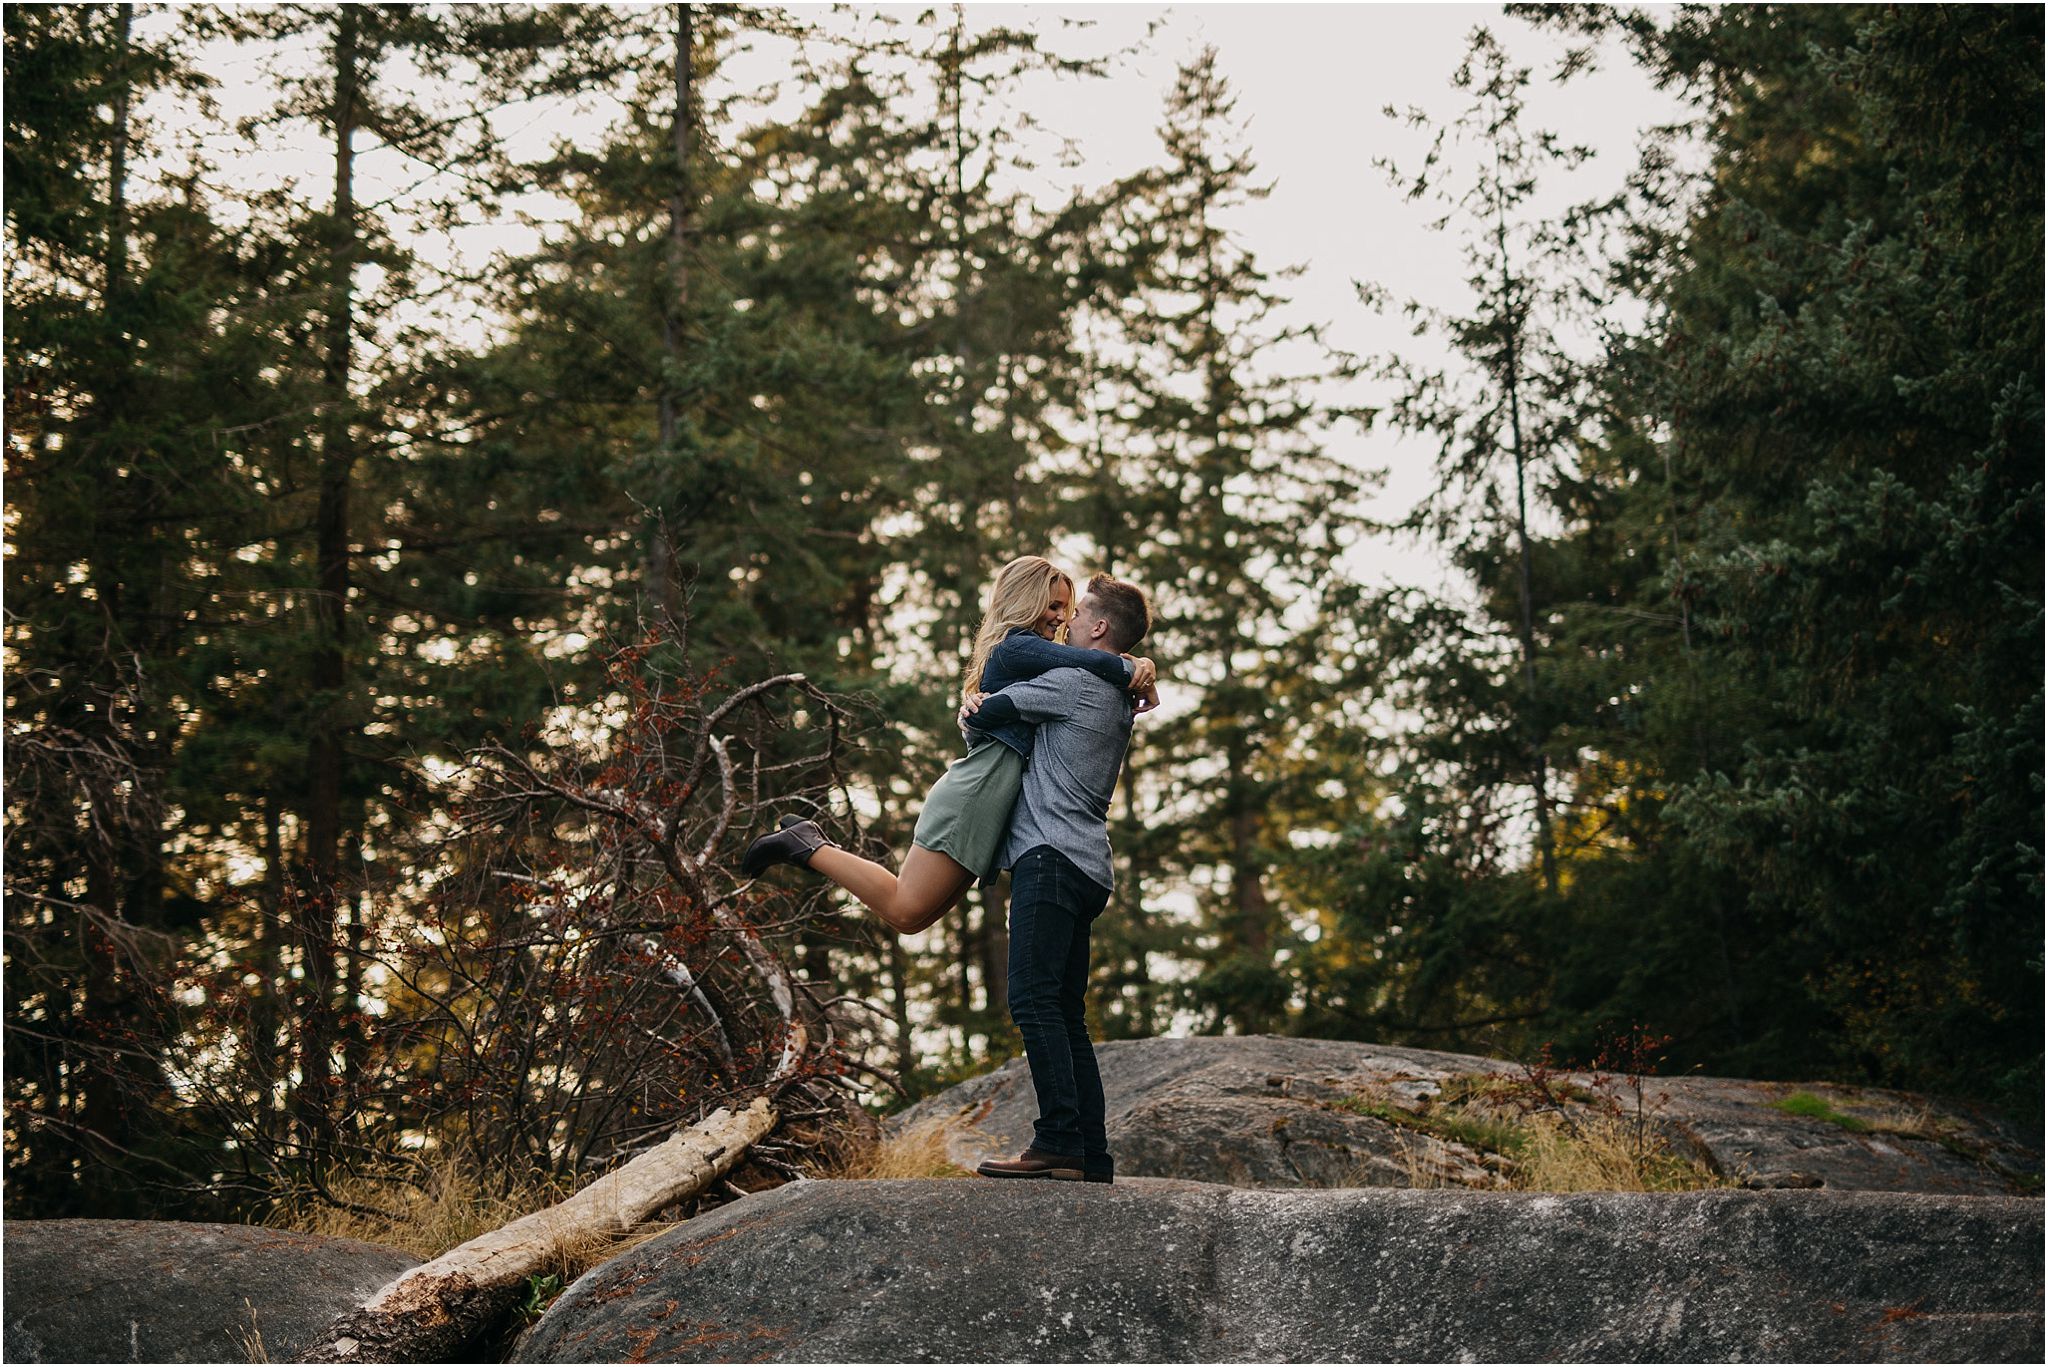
(970, 707)
(1148, 700)
(1143, 674)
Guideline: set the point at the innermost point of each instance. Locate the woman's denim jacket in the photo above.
(1024, 654)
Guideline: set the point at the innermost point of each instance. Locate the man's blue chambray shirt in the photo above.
(1024, 654)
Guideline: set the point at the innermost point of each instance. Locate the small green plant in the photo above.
(1907, 1122)
(540, 1294)
(1816, 1108)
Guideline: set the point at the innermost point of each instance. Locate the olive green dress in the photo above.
(966, 816)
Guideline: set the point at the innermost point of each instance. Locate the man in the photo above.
(1058, 854)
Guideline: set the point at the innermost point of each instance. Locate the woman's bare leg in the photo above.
(929, 886)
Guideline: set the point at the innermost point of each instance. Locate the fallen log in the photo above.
(432, 1312)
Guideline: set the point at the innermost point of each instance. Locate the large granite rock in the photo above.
(1156, 1270)
(1269, 1111)
(157, 1291)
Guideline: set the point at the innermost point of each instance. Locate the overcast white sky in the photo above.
(1311, 81)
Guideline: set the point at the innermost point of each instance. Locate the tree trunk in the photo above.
(432, 1312)
(967, 953)
(1250, 909)
(816, 953)
(117, 168)
(107, 999)
(1538, 765)
(897, 976)
(658, 572)
(995, 956)
(968, 570)
(355, 1042)
(1134, 903)
(315, 908)
(266, 1013)
(104, 1009)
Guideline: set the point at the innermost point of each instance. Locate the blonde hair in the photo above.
(1022, 592)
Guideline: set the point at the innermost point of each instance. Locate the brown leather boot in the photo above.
(794, 842)
(1035, 1163)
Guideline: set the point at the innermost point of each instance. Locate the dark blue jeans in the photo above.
(1052, 905)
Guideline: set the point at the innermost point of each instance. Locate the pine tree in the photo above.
(127, 359)
(1244, 515)
(1521, 404)
(1792, 581)
(1855, 467)
(356, 100)
(233, 337)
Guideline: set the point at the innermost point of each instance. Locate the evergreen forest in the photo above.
(401, 644)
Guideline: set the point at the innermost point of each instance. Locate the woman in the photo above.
(960, 833)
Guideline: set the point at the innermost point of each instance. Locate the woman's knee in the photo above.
(909, 920)
(930, 885)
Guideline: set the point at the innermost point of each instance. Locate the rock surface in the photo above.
(1267, 1111)
(970, 1270)
(160, 1291)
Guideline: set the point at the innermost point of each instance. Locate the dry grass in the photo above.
(919, 1151)
(1604, 1156)
(1899, 1118)
(453, 1209)
(1862, 1113)
(1595, 1150)
(1424, 1171)
(250, 1340)
(1913, 1124)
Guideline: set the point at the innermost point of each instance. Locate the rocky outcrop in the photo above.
(1160, 1271)
(158, 1291)
(1267, 1111)
(1256, 1216)
(1899, 1242)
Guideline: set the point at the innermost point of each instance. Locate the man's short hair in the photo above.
(1123, 606)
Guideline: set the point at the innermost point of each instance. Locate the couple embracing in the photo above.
(1046, 726)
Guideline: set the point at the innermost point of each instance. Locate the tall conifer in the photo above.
(1245, 514)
